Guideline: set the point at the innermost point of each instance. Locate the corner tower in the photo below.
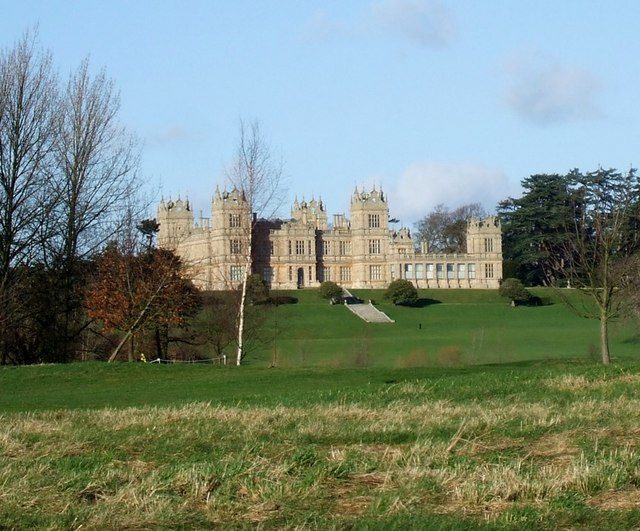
(176, 222)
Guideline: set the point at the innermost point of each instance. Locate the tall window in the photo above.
(374, 246)
(488, 245)
(472, 270)
(439, 270)
(271, 248)
(326, 247)
(429, 271)
(345, 248)
(235, 246)
(290, 273)
(234, 220)
(299, 246)
(375, 272)
(450, 271)
(345, 274)
(408, 270)
(461, 270)
(289, 248)
(488, 270)
(326, 274)
(419, 271)
(236, 273)
(374, 221)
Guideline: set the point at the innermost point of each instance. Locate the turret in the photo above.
(484, 236)
(230, 210)
(176, 222)
(311, 212)
(369, 210)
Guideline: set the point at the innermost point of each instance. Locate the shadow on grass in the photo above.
(633, 340)
(422, 303)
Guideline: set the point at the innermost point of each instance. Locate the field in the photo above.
(452, 327)
(414, 427)
(537, 445)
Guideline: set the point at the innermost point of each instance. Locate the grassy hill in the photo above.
(529, 445)
(451, 327)
(407, 425)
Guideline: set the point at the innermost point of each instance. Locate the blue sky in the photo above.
(436, 101)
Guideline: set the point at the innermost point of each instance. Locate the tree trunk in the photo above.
(158, 343)
(243, 297)
(604, 339)
(132, 346)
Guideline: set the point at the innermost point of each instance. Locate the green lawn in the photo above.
(532, 445)
(451, 327)
(465, 413)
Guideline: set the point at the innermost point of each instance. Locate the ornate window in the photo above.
(374, 246)
(234, 221)
(375, 272)
(374, 221)
(472, 270)
(345, 274)
(488, 245)
(345, 248)
(462, 270)
(488, 270)
(235, 246)
(299, 246)
(236, 273)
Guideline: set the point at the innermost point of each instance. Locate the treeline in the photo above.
(68, 185)
(562, 218)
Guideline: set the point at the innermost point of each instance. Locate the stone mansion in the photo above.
(356, 252)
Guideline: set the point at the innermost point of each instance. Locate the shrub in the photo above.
(402, 292)
(257, 290)
(278, 300)
(513, 289)
(329, 289)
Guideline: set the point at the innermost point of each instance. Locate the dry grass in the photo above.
(326, 465)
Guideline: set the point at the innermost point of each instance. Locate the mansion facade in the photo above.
(356, 252)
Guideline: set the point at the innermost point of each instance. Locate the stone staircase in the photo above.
(367, 312)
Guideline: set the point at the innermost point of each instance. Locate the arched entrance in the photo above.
(300, 277)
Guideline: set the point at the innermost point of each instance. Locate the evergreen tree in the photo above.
(535, 227)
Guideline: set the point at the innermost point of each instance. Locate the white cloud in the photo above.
(170, 134)
(551, 93)
(423, 185)
(424, 22)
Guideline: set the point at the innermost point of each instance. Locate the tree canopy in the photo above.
(444, 230)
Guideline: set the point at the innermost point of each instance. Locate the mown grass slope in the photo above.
(530, 445)
(450, 327)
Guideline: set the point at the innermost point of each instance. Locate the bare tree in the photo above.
(445, 230)
(27, 110)
(258, 177)
(96, 177)
(97, 161)
(596, 258)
